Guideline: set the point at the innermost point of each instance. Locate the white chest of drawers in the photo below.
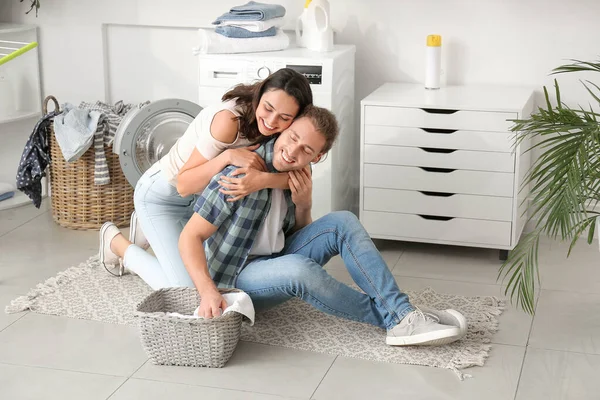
(442, 166)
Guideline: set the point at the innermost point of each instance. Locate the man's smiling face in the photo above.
(298, 146)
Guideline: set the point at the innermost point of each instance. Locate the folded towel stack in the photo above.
(251, 20)
(247, 28)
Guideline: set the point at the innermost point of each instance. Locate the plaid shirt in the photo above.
(237, 222)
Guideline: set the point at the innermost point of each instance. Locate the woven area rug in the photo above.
(88, 292)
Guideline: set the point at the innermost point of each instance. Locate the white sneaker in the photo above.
(136, 236)
(448, 317)
(108, 259)
(418, 328)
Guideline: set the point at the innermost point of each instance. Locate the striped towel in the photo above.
(113, 113)
(101, 175)
(109, 121)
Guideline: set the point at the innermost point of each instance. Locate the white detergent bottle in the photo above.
(318, 34)
(301, 24)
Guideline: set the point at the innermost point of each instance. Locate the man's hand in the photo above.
(212, 304)
(301, 187)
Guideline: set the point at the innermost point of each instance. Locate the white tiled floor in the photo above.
(555, 355)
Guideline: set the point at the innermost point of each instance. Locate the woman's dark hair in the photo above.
(248, 96)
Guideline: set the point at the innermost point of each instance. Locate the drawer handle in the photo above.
(436, 150)
(437, 194)
(438, 111)
(435, 217)
(440, 170)
(437, 130)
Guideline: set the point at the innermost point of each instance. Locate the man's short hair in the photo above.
(325, 122)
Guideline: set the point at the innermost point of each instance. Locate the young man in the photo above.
(267, 245)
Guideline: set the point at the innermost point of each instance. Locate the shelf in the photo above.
(15, 28)
(24, 97)
(19, 116)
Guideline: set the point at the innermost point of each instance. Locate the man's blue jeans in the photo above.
(298, 272)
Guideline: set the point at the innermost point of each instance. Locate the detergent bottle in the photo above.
(313, 28)
(301, 24)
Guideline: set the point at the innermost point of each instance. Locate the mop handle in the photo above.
(18, 52)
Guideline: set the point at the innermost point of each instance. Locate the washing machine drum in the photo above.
(148, 133)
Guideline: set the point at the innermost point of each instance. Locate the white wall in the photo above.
(512, 42)
(490, 41)
(5, 11)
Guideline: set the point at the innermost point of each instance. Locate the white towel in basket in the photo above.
(238, 302)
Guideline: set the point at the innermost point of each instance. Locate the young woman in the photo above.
(221, 135)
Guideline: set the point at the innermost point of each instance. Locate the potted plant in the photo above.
(565, 181)
(34, 4)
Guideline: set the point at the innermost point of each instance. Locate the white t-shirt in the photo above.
(198, 135)
(270, 238)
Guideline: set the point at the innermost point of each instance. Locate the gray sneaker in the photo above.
(419, 328)
(448, 317)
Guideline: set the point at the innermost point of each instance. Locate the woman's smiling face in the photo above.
(275, 112)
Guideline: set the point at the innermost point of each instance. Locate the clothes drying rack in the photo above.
(14, 50)
(10, 50)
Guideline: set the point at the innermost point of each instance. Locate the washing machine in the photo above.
(148, 132)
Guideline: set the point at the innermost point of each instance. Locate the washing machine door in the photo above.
(148, 133)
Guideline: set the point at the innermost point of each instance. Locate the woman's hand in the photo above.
(301, 187)
(245, 157)
(241, 187)
(212, 304)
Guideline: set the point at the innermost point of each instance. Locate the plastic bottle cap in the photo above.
(307, 3)
(434, 41)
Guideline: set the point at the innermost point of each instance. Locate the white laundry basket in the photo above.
(194, 342)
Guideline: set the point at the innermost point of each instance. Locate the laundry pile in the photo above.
(76, 129)
(252, 27)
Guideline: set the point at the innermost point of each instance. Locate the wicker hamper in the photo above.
(78, 203)
(191, 342)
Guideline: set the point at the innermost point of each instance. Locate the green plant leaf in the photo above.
(564, 180)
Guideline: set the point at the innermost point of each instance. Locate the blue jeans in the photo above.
(162, 213)
(298, 272)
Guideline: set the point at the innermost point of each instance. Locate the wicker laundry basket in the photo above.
(191, 342)
(78, 203)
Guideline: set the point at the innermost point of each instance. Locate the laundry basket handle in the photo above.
(45, 106)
